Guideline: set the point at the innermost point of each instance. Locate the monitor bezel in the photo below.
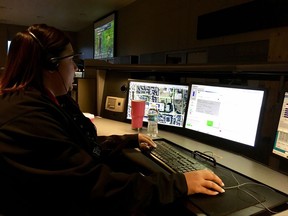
(230, 145)
(171, 128)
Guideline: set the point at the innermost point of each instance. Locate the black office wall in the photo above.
(163, 27)
(251, 16)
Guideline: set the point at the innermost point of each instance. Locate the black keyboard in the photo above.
(173, 159)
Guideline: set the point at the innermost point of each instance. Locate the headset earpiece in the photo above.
(51, 63)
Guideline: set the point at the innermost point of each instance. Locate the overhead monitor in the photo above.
(230, 113)
(104, 37)
(171, 100)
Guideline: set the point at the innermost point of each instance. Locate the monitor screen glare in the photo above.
(231, 113)
(171, 100)
(281, 141)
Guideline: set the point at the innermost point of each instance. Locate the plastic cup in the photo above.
(137, 114)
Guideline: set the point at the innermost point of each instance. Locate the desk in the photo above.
(235, 162)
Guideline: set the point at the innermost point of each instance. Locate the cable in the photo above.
(238, 186)
(62, 81)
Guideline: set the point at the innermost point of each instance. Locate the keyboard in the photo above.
(173, 159)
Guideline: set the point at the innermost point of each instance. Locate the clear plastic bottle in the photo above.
(152, 128)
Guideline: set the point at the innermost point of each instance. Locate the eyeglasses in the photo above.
(63, 57)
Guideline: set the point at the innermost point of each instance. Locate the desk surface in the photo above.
(238, 163)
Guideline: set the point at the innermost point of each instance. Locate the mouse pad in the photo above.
(234, 199)
(224, 204)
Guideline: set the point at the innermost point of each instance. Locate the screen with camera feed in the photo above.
(104, 37)
(170, 99)
(229, 112)
(280, 147)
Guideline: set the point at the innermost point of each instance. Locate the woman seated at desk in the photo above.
(52, 162)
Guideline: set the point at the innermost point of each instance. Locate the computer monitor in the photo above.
(224, 115)
(280, 147)
(171, 100)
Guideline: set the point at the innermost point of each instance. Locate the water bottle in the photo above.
(152, 128)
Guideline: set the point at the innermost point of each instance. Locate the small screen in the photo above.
(281, 140)
(231, 113)
(171, 100)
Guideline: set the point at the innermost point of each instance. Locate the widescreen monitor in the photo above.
(280, 147)
(171, 100)
(231, 113)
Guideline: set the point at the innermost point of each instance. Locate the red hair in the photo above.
(27, 57)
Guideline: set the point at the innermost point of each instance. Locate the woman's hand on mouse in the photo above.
(203, 181)
(145, 142)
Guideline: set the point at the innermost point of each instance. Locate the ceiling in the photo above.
(67, 15)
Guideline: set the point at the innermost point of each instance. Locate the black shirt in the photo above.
(53, 163)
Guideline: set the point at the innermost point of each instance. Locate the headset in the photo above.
(51, 63)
